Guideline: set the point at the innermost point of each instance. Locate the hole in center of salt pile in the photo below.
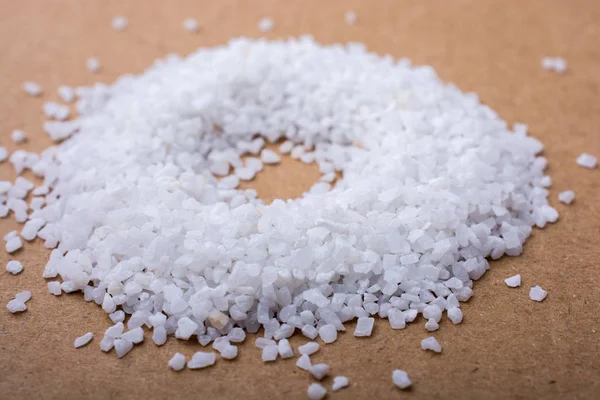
(288, 179)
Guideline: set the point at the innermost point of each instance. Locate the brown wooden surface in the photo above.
(508, 345)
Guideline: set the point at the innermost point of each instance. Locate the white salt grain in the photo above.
(455, 315)
(587, 161)
(431, 325)
(304, 362)
(339, 382)
(185, 328)
(536, 293)
(319, 371)
(3, 154)
(328, 333)
(92, 64)
(14, 267)
(32, 88)
(190, 25)
(13, 245)
(308, 348)
(350, 17)
(431, 344)
(177, 362)
(202, 359)
(566, 197)
(229, 352)
(316, 391)
(83, 340)
(115, 331)
(270, 352)
(66, 93)
(16, 305)
(269, 157)
(119, 23)
(265, 24)
(117, 316)
(18, 136)
(401, 379)
(310, 331)
(54, 288)
(159, 335)
(122, 347)
(285, 350)
(107, 343)
(513, 281)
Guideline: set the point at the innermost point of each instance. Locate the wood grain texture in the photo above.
(508, 345)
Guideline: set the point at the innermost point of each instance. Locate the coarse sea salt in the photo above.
(265, 24)
(177, 362)
(14, 267)
(190, 25)
(316, 391)
(587, 160)
(401, 379)
(566, 197)
(536, 293)
(119, 23)
(339, 382)
(513, 281)
(432, 344)
(18, 136)
(84, 339)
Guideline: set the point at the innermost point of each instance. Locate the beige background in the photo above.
(507, 347)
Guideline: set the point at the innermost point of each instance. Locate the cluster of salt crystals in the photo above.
(434, 185)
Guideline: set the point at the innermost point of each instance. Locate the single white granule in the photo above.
(310, 331)
(31, 227)
(339, 382)
(135, 335)
(364, 326)
(190, 25)
(93, 64)
(350, 17)
(18, 136)
(269, 157)
(513, 281)
(54, 288)
(117, 316)
(304, 362)
(245, 173)
(3, 154)
(177, 362)
(66, 93)
(18, 303)
(566, 197)
(431, 344)
(32, 88)
(119, 23)
(23, 296)
(316, 391)
(13, 245)
(401, 379)
(328, 333)
(546, 181)
(122, 347)
(455, 315)
(83, 340)
(265, 24)
(202, 359)
(107, 343)
(557, 64)
(115, 331)
(319, 371)
(431, 325)
(159, 335)
(536, 293)
(586, 160)
(236, 335)
(185, 328)
(270, 353)
(285, 350)
(14, 267)
(229, 352)
(261, 343)
(286, 147)
(308, 348)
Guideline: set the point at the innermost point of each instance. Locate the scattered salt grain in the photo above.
(265, 24)
(556, 64)
(536, 293)
(13, 245)
(431, 344)
(177, 362)
(92, 64)
(135, 335)
(261, 343)
(586, 160)
(159, 335)
(14, 267)
(310, 331)
(364, 326)
(229, 352)
(566, 197)
(32, 88)
(304, 362)
(513, 281)
(119, 23)
(285, 350)
(401, 379)
(83, 340)
(455, 315)
(18, 136)
(269, 157)
(18, 303)
(190, 25)
(431, 325)
(54, 288)
(319, 371)
(270, 352)
(185, 328)
(286, 147)
(107, 343)
(236, 335)
(23, 296)
(115, 331)
(117, 316)
(3, 154)
(350, 17)
(66, 93)
(328, 333)
(122, 347)
(339, 382)
(202, 359)
(308, 348)
(316, 391)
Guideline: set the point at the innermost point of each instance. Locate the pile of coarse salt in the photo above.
(142, 209)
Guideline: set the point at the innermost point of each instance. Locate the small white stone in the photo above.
(269, 157)
(14, 267)
(18, 136)
(270, 353)
(285, 350)
(328, 333)
(54, 288)
(536, 293)
(135, 335)
(319, 371)
(316, 391)
(401, 379)
(265, 24)
(513, 281)
(364, 326)
(566, 197)
(308, 348)
(202, 359)
(339, 382)
(190, 25)
(587, 160)
(119, 23)
(177, 362)
(304, 362)
(122, 347)
(431, 344)
(93, 64)
(83, 340)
